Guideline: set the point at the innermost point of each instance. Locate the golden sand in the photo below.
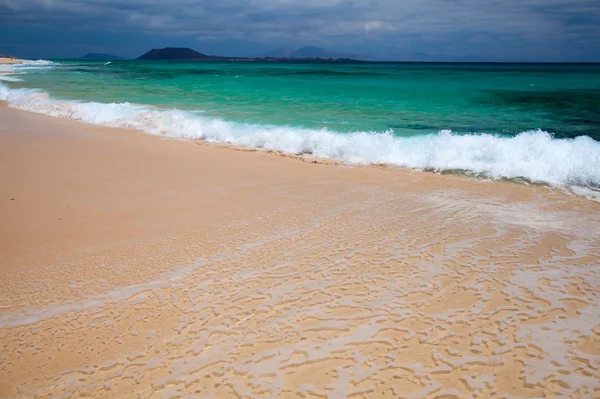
(10, 60)
(138, 267)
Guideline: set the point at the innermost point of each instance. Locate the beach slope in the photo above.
(135, 266)
(10, 60)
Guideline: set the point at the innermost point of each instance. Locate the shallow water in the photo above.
(406, 98)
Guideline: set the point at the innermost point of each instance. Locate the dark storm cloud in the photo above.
(515, 29)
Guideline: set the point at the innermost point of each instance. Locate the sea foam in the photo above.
(25, 65)
(533, 155)
(9, 78)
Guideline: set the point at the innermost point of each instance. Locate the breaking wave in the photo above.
(25, 65)
(534, 155)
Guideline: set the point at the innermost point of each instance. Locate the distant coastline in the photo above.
(187, 54)
(309, 54)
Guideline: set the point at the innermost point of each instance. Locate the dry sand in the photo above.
(10, 60)
(138, 267)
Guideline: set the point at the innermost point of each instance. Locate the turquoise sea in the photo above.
(540, 122)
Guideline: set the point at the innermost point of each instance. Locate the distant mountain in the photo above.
(179, 54)
(278, 53)
(305, 54)
(100, 57)
(315, 52)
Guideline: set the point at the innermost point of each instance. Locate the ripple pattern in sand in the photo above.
(356, 295)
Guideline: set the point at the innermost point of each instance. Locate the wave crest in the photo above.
(534, 155)
(26, 65)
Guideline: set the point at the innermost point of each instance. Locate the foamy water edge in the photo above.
(533, 155)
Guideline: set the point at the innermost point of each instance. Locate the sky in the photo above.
(442, 30)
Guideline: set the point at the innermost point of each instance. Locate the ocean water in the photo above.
(537, 122)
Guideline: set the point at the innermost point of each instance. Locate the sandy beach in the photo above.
(133, 266)
(10, 60)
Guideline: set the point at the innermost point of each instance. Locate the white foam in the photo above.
(9, 79)
(534, 155)
(593, 195)
(26, 65)
(36, 62)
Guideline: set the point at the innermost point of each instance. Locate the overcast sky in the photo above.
(523, 30)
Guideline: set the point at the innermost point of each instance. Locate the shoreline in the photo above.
(132, 265)
(10, 60)
(535, 156)
(584, 191)
(310, 158)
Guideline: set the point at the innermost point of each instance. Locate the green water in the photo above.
(407, 99)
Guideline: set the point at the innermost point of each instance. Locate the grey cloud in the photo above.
(466, 25)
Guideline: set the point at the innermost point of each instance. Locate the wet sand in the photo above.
(133, 266)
